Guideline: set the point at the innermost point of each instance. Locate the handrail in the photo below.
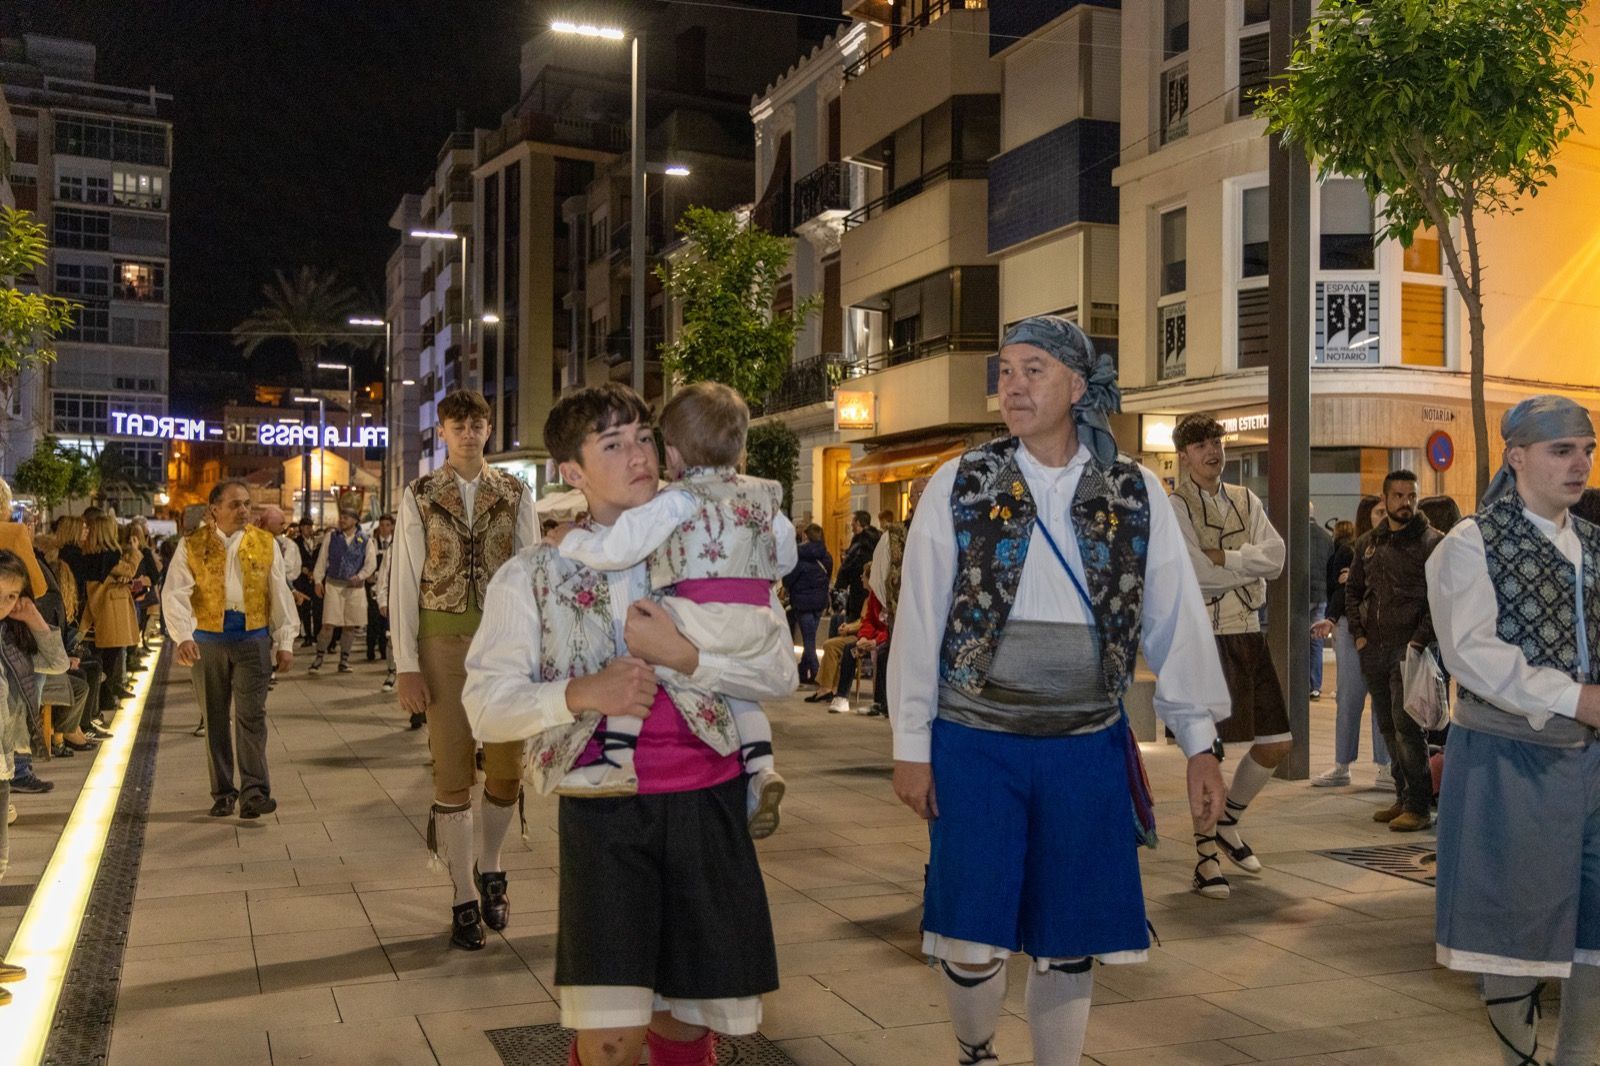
(957, 170)
(825, 189)
(904, 32)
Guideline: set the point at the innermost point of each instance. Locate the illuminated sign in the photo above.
(855, 410)
(1246, 424)
(1155, 432)
(266, 434)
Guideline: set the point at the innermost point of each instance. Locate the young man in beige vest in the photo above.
(457, 526)
(1235, 552)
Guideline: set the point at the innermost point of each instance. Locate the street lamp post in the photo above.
(350, 409)
(322, 467)
(388, 385)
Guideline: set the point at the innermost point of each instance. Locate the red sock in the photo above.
(572, 1056)
(700, 1052)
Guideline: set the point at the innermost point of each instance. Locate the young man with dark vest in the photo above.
(1036, 569)
(458, 525)
(1235, 551)
(1515, 591)
(347, 558)
(228, 608)
(665, 935)
(377, 622)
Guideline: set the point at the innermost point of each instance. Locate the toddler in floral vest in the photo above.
(715, 542)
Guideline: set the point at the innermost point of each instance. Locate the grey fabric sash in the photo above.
(1473, 712)
(1045, 681)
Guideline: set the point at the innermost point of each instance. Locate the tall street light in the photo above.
(636, 138)
(466, 281)
(350, 409)
(305, 462)
(388, 386)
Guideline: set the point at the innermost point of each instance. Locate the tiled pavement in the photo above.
(316, 935)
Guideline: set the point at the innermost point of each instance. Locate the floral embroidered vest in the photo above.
(208, 561)
(729, 536)
(465, 550)
(577, 638)
(346, 558)
(994, 515)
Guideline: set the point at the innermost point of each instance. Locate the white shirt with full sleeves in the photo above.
(641, 530)
(1191, 695)
(506, 702)
(1260, 558)
(1466, 615)
(410, 551)
(178, 611)
(369, 564)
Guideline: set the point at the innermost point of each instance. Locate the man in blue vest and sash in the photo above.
(348, 557)
(1515, 592)
(1036, 569)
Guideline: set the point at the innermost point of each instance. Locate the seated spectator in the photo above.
(871, 633)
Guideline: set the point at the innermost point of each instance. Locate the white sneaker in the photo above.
(1385, 779)
(1337, 777)
(599, 780)
(388, 683)
(11, 813)
(840, 705)
(766, 794)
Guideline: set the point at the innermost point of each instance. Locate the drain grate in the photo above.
(81, 1033)
(546, 1045)
(1413, 862)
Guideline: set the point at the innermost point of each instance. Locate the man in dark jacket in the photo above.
(808, 596)
(1387, 600)
(850, 582)
(1321, 551)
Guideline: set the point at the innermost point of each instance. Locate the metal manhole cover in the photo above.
(547, 1045)
(1413, 862)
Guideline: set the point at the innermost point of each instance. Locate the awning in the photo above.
(903, 464)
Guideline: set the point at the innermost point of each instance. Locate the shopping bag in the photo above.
(1426, 693)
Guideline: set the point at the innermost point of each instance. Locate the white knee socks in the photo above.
(451, 837)
(1248, 781)
(975, 1000)
(1512, 1003)
(496, 823)
(1058, 1011)
(1578, 1041)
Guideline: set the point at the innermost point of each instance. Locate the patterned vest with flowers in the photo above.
(465, 550)
(994, 515)
(208, 561)
(730, 535)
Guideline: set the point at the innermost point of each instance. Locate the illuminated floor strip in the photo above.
(49, 930)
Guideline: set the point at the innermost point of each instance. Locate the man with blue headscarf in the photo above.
(1515, 591)
(1036, 569)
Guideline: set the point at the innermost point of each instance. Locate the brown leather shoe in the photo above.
(10, 973)
(1389, 814)
(1409, 822)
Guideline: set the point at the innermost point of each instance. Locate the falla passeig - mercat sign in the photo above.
(267, 434)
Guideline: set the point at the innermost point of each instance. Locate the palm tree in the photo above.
(116, 476)
(309, 311)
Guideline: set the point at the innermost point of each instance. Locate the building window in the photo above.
(599, 237)
(148, 232)
(88, 230)
(80, 412)
(1254, 61)
(136, 333)
(1174, 28)
(1346, 231)
(1422, 324)
(133, 189)
(82, 189)
(91, 323)
(120, 140)
(1174, 102)
(1171, 310)
(1250, 304)
(1257, 12)
(1253, 233)
(141, 281)
(83, 279)
(1424, 256)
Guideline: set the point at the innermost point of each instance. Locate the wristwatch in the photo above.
(1217, 749)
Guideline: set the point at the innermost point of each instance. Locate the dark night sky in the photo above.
(298, 126)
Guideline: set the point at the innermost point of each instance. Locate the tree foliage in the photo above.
(55, 473)
(116, 475)
(1448, 111)
(29, 321)
(726, 283)
(772, 451)
(309, 310)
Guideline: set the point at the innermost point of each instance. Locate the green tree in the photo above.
(114, 474)
(1449, 110)
(29, 321)
(726, 282)
(772, 451)
(46, 474)
(309, 310)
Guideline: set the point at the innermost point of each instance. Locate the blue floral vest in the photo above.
(346, 560)
(994, 515)
(1534, 588)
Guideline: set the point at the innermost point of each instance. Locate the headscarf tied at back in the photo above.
(1063, 340)
(1534, 420)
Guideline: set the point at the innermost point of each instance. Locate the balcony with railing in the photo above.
(954, 171)
(551, 129)
(622, 242)
(808, 382)
(903, 32)
(824, 190)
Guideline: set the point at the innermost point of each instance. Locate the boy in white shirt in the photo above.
(715, 541)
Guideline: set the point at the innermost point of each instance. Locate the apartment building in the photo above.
(805, 189)
(403, 461)
(1389, 354)
(93, 161)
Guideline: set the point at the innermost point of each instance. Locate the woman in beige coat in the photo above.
(108, 572)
